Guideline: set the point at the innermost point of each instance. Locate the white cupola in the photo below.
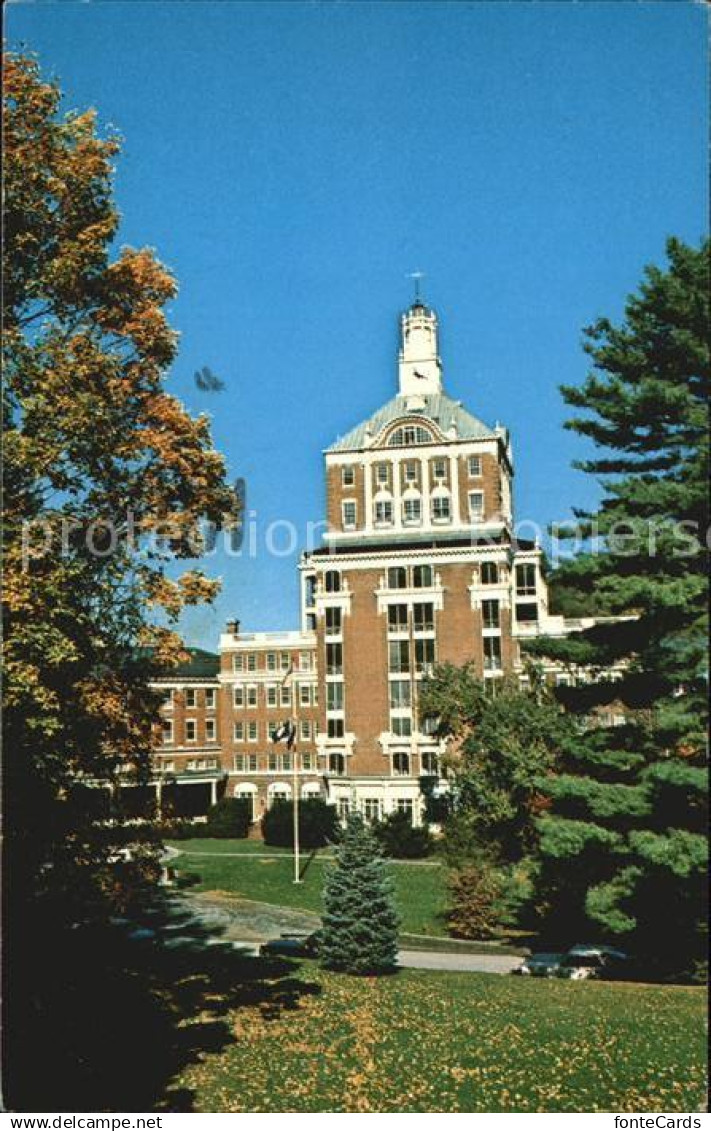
(420, 366)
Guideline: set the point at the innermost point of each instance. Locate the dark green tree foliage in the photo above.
(399, 838)
(504, 745)
(318, 823)
(360, 923)
(230, 817)
(624, 846)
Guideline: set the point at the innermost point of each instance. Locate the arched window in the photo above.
(332, 580)
(310, 789)
(441, 505)
(279, 791)
(411, 508)
(383, 509)
(409, 434)
(422, 576)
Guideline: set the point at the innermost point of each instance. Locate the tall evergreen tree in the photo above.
(623, 846)
(360, 923)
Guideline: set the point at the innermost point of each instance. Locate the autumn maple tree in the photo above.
(108, 480)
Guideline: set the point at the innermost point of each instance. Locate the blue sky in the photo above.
(293, 161)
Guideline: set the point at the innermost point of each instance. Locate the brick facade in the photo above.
(423, 569)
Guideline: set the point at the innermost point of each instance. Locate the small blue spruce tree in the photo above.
(360, 923)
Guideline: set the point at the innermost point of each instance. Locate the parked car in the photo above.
(291, 946)
(539, 965)
(584, 961)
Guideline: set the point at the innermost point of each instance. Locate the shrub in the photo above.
(360, 923)
(397, 837)
(318, 823)
(231, 817)
(475, 891)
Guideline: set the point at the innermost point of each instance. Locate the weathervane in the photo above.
(417, 276)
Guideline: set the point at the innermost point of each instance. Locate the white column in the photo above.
(368, 495)
(397, 492)
(425, 489)
(454, 480)
(213, 791)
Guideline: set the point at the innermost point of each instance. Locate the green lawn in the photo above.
(420, 889)
(425, 1041)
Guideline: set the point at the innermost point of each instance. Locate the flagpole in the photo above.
(295, 807)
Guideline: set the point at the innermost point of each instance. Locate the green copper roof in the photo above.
(438, 408)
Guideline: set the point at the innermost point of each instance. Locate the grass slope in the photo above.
(420, 889)
(427, 1041)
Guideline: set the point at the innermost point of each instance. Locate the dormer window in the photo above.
(408, 435)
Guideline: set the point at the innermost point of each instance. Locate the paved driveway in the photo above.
(483, 963)
(248, 923)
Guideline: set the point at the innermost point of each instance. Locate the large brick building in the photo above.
(419, 566)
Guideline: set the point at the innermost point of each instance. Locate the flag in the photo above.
(286, 732)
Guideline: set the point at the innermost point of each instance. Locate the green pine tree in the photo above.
(623, 846)
(360, 923)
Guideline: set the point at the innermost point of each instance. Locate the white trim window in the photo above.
(169, 701)
(441, 507)
(474, 467)
(285, 696)
(238, 662)
(489, 573)
(305, 727)
(412, 510)
(476, 506)
(210, 730)
(190, 697)
(304, 695)
(492, 653)
(238, 732)
(272, 695)
(252, 695)
(349, 509)
(209, 698)
(383, 512)
(348, 475)
(371, 808)
(271, 662)
(410, 471)
(251, 661)
(252, 731)
(190, 730)
(382, 474)
(238, 696)
(401, 763)
(439, 470)
(168, 738)
(401, 725)
(491, 614)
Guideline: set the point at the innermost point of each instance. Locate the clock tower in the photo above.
(420, 368)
